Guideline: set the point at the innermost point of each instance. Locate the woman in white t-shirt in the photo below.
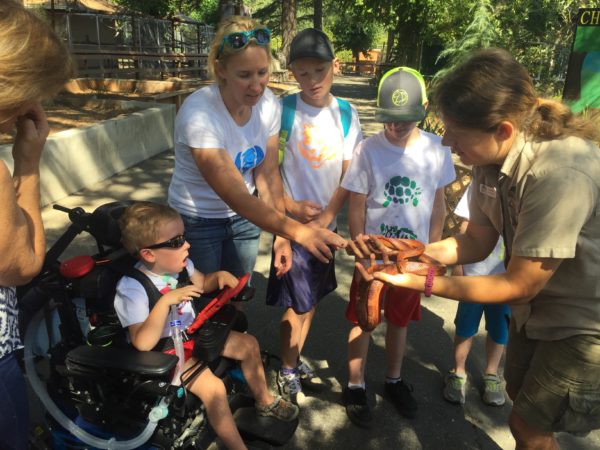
(226, 145)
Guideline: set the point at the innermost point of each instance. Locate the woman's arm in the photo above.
(22, 242)
(270, 188)
(474, 245)
(268, 179)
(218, 170)
(523, 280)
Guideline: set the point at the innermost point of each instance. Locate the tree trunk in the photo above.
(389, 46)
(230, 7)
(318, 14)
(288, 28)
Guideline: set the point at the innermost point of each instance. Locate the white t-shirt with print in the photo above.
(315, 151)
(204, 122)
(131, 300)
(494, 263)
(400, 183)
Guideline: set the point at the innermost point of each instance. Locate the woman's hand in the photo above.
(32, 131)
(320, 241)
(282, 254)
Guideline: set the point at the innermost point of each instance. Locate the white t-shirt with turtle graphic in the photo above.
(204, 122)
(315, 151)
(400, 183)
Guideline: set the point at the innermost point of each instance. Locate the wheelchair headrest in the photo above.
(104, 225)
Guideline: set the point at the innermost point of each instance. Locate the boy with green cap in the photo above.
(396, 182)
(318, 135)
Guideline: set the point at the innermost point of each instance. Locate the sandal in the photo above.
(280, 409)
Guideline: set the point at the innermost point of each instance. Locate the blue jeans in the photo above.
(14, 413)
(229, 244)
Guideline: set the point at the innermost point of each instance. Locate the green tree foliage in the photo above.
(480, 33)
(354, 33)
(202, 10)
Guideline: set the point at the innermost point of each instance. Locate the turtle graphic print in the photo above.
(402, 191)
(401, 184)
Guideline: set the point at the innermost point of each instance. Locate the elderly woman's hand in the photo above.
(32, 131)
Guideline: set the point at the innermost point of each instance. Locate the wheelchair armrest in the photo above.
(148, 364)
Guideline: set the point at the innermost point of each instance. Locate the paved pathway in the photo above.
(323, 424)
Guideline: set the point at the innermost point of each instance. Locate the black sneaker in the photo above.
(357, 408)
(400, 395)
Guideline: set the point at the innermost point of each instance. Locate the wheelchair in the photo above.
(100, 392)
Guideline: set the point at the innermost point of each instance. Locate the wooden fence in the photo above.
(125, 64)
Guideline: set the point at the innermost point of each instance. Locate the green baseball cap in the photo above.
(401, 96)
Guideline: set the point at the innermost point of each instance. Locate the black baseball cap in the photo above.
(311, 43)
(401, 96)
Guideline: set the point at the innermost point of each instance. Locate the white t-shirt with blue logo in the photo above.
(204, 122)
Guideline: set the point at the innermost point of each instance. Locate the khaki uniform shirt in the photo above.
(545, 201)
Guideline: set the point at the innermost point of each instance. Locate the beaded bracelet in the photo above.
(429, 281)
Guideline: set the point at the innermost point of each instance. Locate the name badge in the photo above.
(488, 191)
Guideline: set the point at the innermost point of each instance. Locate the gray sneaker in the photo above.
(455, 388)
(289, 386)
(308, 379)
(493, 392)
(280, 409)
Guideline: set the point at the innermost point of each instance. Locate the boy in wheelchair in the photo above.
(153, 234)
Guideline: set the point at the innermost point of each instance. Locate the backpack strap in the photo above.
(125, 268)
(345, 115)
(288, 114)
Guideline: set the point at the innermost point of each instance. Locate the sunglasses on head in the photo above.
(240, 39)
(175, 242)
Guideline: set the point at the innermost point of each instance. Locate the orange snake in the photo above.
(408, 256)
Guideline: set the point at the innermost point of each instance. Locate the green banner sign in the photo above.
(582, 85)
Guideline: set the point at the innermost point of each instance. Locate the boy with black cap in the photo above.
(396, 183)
(317, 139)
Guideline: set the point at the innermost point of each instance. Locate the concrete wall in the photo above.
(79, 157)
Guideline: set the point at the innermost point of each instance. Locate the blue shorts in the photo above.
(229, 244)
(307, 282)
(497, 318)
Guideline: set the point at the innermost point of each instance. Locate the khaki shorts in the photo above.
(558, 382)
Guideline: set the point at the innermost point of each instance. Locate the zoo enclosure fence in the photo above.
(124, 45)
